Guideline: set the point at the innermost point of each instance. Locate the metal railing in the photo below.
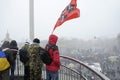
(66, 73)
(83, 69)
(71, 69)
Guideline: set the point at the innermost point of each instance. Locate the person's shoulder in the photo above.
(54, 47)
(7, 50)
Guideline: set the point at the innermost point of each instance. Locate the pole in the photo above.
(31, 19)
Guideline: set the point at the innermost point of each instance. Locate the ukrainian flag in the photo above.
(4, 64)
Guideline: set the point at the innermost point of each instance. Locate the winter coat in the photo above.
(55, 65)
(6, 48)
(4, 75)
(14, 48)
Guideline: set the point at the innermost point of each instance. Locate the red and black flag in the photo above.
(70, 12)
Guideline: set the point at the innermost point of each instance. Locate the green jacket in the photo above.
(34, 52)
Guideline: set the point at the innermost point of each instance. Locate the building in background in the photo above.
(7, 37)
(111, 67)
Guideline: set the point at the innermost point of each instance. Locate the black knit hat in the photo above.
(6, 44)
(36, 40)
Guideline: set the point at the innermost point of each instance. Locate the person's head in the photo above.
(27, 43)
(13, 43)
(5, 44)
(36, 40)
(53, 39)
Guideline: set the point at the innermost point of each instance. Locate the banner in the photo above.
(70, 12)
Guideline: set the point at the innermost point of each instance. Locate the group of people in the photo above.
(33, 65)
(10, 49)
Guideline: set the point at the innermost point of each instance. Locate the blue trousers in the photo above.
(51, 75)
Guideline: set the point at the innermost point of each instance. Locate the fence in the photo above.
(71, 69)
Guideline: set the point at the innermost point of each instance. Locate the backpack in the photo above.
(45, 55)
(23, 55)
(4, 64)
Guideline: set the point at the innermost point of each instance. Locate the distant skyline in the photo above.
(98, 18)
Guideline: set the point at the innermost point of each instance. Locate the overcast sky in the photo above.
(100, 18)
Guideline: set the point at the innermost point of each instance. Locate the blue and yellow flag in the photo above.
(4, 64)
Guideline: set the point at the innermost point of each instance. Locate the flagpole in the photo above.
(52, 31)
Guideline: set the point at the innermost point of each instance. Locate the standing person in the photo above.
(14, 48)
(52, 69)
(24, 58)
(4, 75)
(35, 60)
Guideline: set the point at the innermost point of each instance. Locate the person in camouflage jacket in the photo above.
(35, 60)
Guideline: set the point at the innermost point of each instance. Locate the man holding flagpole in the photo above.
(53, 68)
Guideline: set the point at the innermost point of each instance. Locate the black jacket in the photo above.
(14, 48)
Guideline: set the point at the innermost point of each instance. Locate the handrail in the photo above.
(99, 74)
(81, 77)
(66, 71)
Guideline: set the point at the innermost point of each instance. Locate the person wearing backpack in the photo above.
(4, 75)
(24, 58)
(52, 69)
(14, 49)
(35, 60)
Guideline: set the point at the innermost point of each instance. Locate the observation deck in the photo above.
(80, 71)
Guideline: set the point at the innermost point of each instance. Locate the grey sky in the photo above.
(100, 18)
